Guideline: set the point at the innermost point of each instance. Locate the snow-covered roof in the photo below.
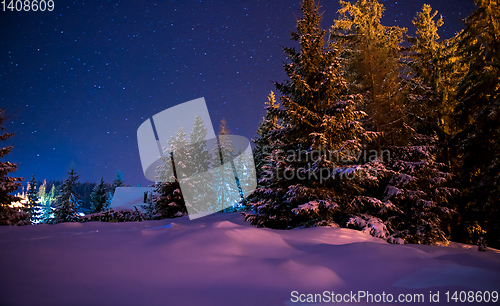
(128, 197)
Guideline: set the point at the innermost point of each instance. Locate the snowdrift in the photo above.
(221, 260)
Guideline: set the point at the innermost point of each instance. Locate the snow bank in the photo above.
(220, 260)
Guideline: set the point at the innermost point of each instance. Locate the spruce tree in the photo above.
(200, 180)
(225, 187)
(67, 200)
(53, 195)
(425, 60)
(433, 73)
(8, 184)
(45, 202)
(319, 133)
(33, 205)
(419, 188)
(169, 201)
(98, 198)
(262, 142)
(117, 182)
(373, 54)
(414, 185)
(478, 118)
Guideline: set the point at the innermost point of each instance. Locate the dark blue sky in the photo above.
(78, 81)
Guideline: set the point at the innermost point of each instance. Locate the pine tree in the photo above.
(373, 53)
(33, 205)
(98, 198)
(262, 143)
(478, 118)
(433, 74)
(200, 180)
(53, 194)
(169, 201)
(418, 183)
(319, 134)
(419, 187)
(225, 187)
(45, 202)
(405, 202)
(7, 184)
(118, 182)
(425, 62)
(67, 201)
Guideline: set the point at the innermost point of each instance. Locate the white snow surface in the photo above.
(222, 260)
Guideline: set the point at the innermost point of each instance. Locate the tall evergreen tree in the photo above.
(117, 182)
(45, 203)
(33, 205)
(98, 197)
(433, 74)
(478, 117)
(262, 142)
(319, 130)
(67, 201)
(53, 194)
(8, 184)
(425, 60)
(225, 187)
(373, 54)
(200, 180)
(169, 201)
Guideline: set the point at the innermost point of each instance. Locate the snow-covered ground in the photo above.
(221, 260)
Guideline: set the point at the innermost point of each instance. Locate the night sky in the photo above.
(78, 81)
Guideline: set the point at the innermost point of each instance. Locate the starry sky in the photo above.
(78, 81)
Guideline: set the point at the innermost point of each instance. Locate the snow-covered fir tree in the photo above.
(478, 120)
(311, 173)
(45, 203)
(426, 61)
(169, 201)
(52, 199)
(412, 198)
(418, 189)
(430, 80)
(67, 200)
(200, 180)
(318, 171)
(262, 142)
(99, 197)
(372, 53)
(8, 184)
(117, 182)
(33, 205)
(225, 187)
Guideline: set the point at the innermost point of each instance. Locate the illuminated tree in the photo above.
(263, 143)
(227, 194)
(200, 161)
(372, 55)
(45, 202)
(33, 206)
